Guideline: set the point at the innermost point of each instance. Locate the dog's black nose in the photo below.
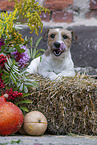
(57, 44)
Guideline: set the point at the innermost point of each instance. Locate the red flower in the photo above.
(2, 60)
(18, 56)
(22, 58)
(13, 94)
(2, 85)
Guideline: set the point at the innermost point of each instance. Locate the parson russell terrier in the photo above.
(56, 62)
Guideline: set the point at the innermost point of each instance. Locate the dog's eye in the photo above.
(52, 35)
(65, 37)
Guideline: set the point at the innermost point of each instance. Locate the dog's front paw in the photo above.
(55, 77)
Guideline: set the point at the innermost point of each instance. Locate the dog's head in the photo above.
(59, 41)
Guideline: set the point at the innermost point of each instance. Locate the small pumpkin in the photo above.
(11, 117)
(35, 123)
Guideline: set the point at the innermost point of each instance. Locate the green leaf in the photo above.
(13, 62)
(29, 84)
(2, 48)
(18, 141)
(9, 62)
(25, 95)
(12, 78)
(18, 85)
(33, 53)
(38, 55)
(28, 51)
(11, 50)
(24, 109)
(1, 70)
(18, 49)
(24, 101)
(3, 143)
(31, 41)
(15, 77)
(40, 58)
(6, 81)
(6, 72)
(25, 43)
(25, 89)
(43, 50)
(15, 68)
(26, 39)
(7, 67)
(12, 142)
(37, 51)
(32, 82)
(38, 41)
(21, 87)
(16, 71)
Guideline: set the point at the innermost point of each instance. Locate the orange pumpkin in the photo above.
(11, 117)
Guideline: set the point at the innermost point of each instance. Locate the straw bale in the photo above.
(70, 105)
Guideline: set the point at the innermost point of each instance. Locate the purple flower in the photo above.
(1, 42)
(22, 58)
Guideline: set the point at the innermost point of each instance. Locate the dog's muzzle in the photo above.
(58, 48)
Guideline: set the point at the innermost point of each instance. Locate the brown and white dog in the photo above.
(56, 61)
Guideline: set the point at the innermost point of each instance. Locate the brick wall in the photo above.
(60, 10)
(93, 4)
(6, 6)
(93, 9)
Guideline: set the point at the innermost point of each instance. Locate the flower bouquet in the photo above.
(14, 55)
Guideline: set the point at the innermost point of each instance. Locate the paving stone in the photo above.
(49, 140)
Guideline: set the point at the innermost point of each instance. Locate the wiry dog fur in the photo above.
(56, 61)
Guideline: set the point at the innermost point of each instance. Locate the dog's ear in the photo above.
(45, 36)
(74, 37)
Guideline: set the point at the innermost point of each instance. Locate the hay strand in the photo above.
(70, 105)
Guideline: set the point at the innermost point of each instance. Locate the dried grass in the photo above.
(69, 105)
